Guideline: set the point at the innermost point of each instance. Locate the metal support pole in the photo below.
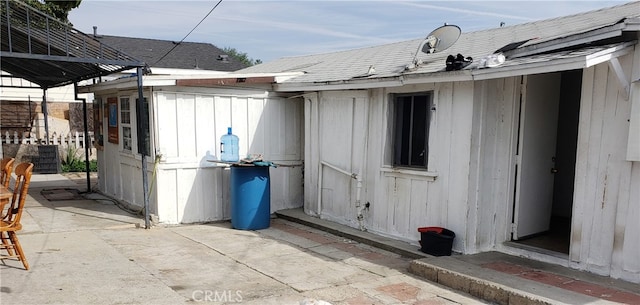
(145, 178)
(46, 117)
(87, 141)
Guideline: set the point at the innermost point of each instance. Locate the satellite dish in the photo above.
(441, 39)
(438, 40)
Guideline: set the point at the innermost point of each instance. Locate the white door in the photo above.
(342, 136)
(537, 147)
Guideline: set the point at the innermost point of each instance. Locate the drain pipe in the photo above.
(359, 208)
(355, 176)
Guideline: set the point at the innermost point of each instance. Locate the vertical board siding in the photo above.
(286, 183)
(192, 189)
(419, 207)
(240, 123)
(578, 239)
(255, 126)
(186, 196)
(336, 115)
(205, 126)
(472, 151)
(222, 118)
(460, 151)
(353, 135)
(441, 159)
(276, 112)
(628, 267)
(337, 134)
(167, 125)
(606, 197)
(374, 181)
(186, 125)
(490, 182)
(292, 148)
(398, 208)
(167, 203)
(311, 152)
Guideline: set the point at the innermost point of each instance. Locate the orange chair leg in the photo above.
(16, 243)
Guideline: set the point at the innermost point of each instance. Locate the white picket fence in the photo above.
(71, 139)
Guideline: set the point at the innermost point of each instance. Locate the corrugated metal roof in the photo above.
(391, 59)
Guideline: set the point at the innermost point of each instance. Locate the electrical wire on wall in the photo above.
(185, 37)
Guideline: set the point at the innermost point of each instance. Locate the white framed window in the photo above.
(125, 123)
(412, 116)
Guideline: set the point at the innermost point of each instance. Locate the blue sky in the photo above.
(268, 30)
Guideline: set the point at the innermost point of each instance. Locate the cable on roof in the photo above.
(185, 37)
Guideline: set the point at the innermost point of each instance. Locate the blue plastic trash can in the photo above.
(250, 197)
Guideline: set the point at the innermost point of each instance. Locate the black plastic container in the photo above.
(436, 241)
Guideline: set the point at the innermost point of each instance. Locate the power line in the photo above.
(185, 37)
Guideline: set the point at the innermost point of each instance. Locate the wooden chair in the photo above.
(6, 166)
(11, 224)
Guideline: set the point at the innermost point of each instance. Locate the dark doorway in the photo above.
(557, 237)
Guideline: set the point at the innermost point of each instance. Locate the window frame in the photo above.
(401, 150)
(126, 125)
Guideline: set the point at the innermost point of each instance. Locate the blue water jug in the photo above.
(229, 151)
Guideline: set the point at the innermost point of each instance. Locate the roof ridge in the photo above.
(153, 39)
(589, 12)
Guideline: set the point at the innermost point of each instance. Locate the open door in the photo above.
(536, 154)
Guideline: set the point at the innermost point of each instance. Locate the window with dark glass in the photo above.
(144, 136)
(411, 134)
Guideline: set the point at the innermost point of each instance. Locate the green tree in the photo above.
(56, 8)
(242, 57)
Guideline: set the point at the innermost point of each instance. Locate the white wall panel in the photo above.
(342, 136)
(186, 127)
(205, 135)
(167, 201)
(604, 238)
(201, 191)
(491, 180)
(353, 135)
(167, 123)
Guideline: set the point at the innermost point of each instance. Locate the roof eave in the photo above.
(552, 65)
(563, 64)
(568, 41)
(373, 82)
(213, 80)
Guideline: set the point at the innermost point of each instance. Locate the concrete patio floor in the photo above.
(90, 251)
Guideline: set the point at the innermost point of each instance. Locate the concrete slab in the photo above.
(79, 267)
(91, 252)
(494, 277)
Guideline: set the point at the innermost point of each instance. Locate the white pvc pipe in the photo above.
(358, 189)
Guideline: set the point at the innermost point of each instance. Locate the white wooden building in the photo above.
(391, 142)
(548, 141)
(186, 123)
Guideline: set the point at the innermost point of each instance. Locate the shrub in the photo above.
(72, 163)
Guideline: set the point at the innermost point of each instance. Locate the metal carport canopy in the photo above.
(47, 52)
